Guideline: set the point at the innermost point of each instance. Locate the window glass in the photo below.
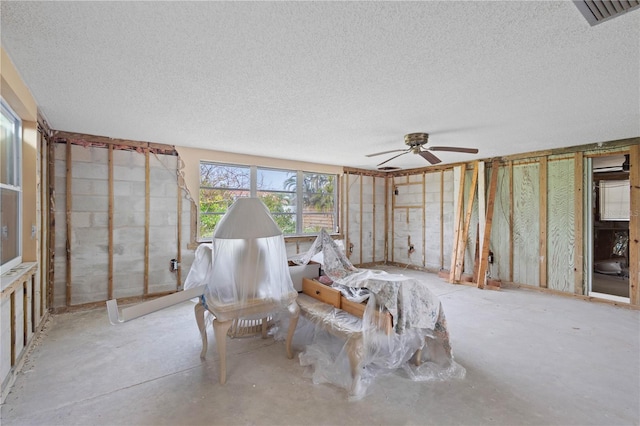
(301, 203)
(319, 203)
(277, 190)
(220, 186)
(10, 190)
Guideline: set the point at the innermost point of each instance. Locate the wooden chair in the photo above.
(225, 314)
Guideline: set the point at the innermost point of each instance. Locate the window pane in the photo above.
(312, 223)
(276, 180)
(9, 147)
(224, 176)
(319, 192)
(219, 200)
(319, 203)
(9, 224)
(282, 206)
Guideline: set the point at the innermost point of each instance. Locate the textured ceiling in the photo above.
(330, 82)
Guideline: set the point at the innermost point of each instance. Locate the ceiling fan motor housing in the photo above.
(416, 139)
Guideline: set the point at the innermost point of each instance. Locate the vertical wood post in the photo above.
(511, 208)
(543, 222)
(179, 238)
(462, 243)
(456, 223)
(373, 254)
(634, 225)
(484, 257)
(361, 215)
(52, 224)
(147, 203)
(441, 219)
(69, 205)
(424, 219)
(578, 203)
(347, 241)
(111, 206)
(393, 216)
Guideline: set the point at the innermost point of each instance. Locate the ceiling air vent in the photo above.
(597, 11)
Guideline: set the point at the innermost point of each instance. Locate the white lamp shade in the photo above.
(247, 218)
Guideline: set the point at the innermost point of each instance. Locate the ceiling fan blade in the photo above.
(429, 157)
(396, 156)
(453, 149)
(385, 152)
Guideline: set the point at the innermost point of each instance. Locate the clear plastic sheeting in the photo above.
(403, 327)
(245, 267)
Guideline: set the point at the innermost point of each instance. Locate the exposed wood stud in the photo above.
(347, 241)
(543, 222)
(68, 160)
(386, 220)
(373, 202)
(424, 219)
(634, 226)
(484, 256)
(25, 313)
(510, 221)
(110, 217)
(13, 327)
(441, 219)
(458, 217)
(393, 217)
(578, 202)
(462, 242)
(361, 217)
(52, 224)
(147, 203)
(179, 239)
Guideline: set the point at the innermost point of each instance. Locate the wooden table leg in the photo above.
(293, 322)
(220, 328)
(199, 312)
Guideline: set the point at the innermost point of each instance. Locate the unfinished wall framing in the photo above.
(120, 213)
(537, 221)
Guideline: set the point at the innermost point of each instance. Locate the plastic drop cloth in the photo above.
(419, 327)
(246, 263)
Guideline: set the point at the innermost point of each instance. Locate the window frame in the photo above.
(299, 193)
(13, 183)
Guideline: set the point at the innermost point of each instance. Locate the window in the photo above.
(10, 188)
(615, 200)
(300, 202)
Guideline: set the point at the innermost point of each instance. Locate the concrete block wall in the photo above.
(89, 218)
(364, 222)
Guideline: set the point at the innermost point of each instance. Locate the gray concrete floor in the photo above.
(531, 358)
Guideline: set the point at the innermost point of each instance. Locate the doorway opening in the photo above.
(608, 227)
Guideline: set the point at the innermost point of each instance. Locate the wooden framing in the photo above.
(68, 160)
(424, 219)
(373, 205)
(543, 222)
(578, 202)
(462, 241)
(441, 219)
(486, 238)
(179, 238)
(456, 224)
(361, 216)
(147, 208)
(110, 218)
(634, 226)
(52, 224)
(510, 221)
